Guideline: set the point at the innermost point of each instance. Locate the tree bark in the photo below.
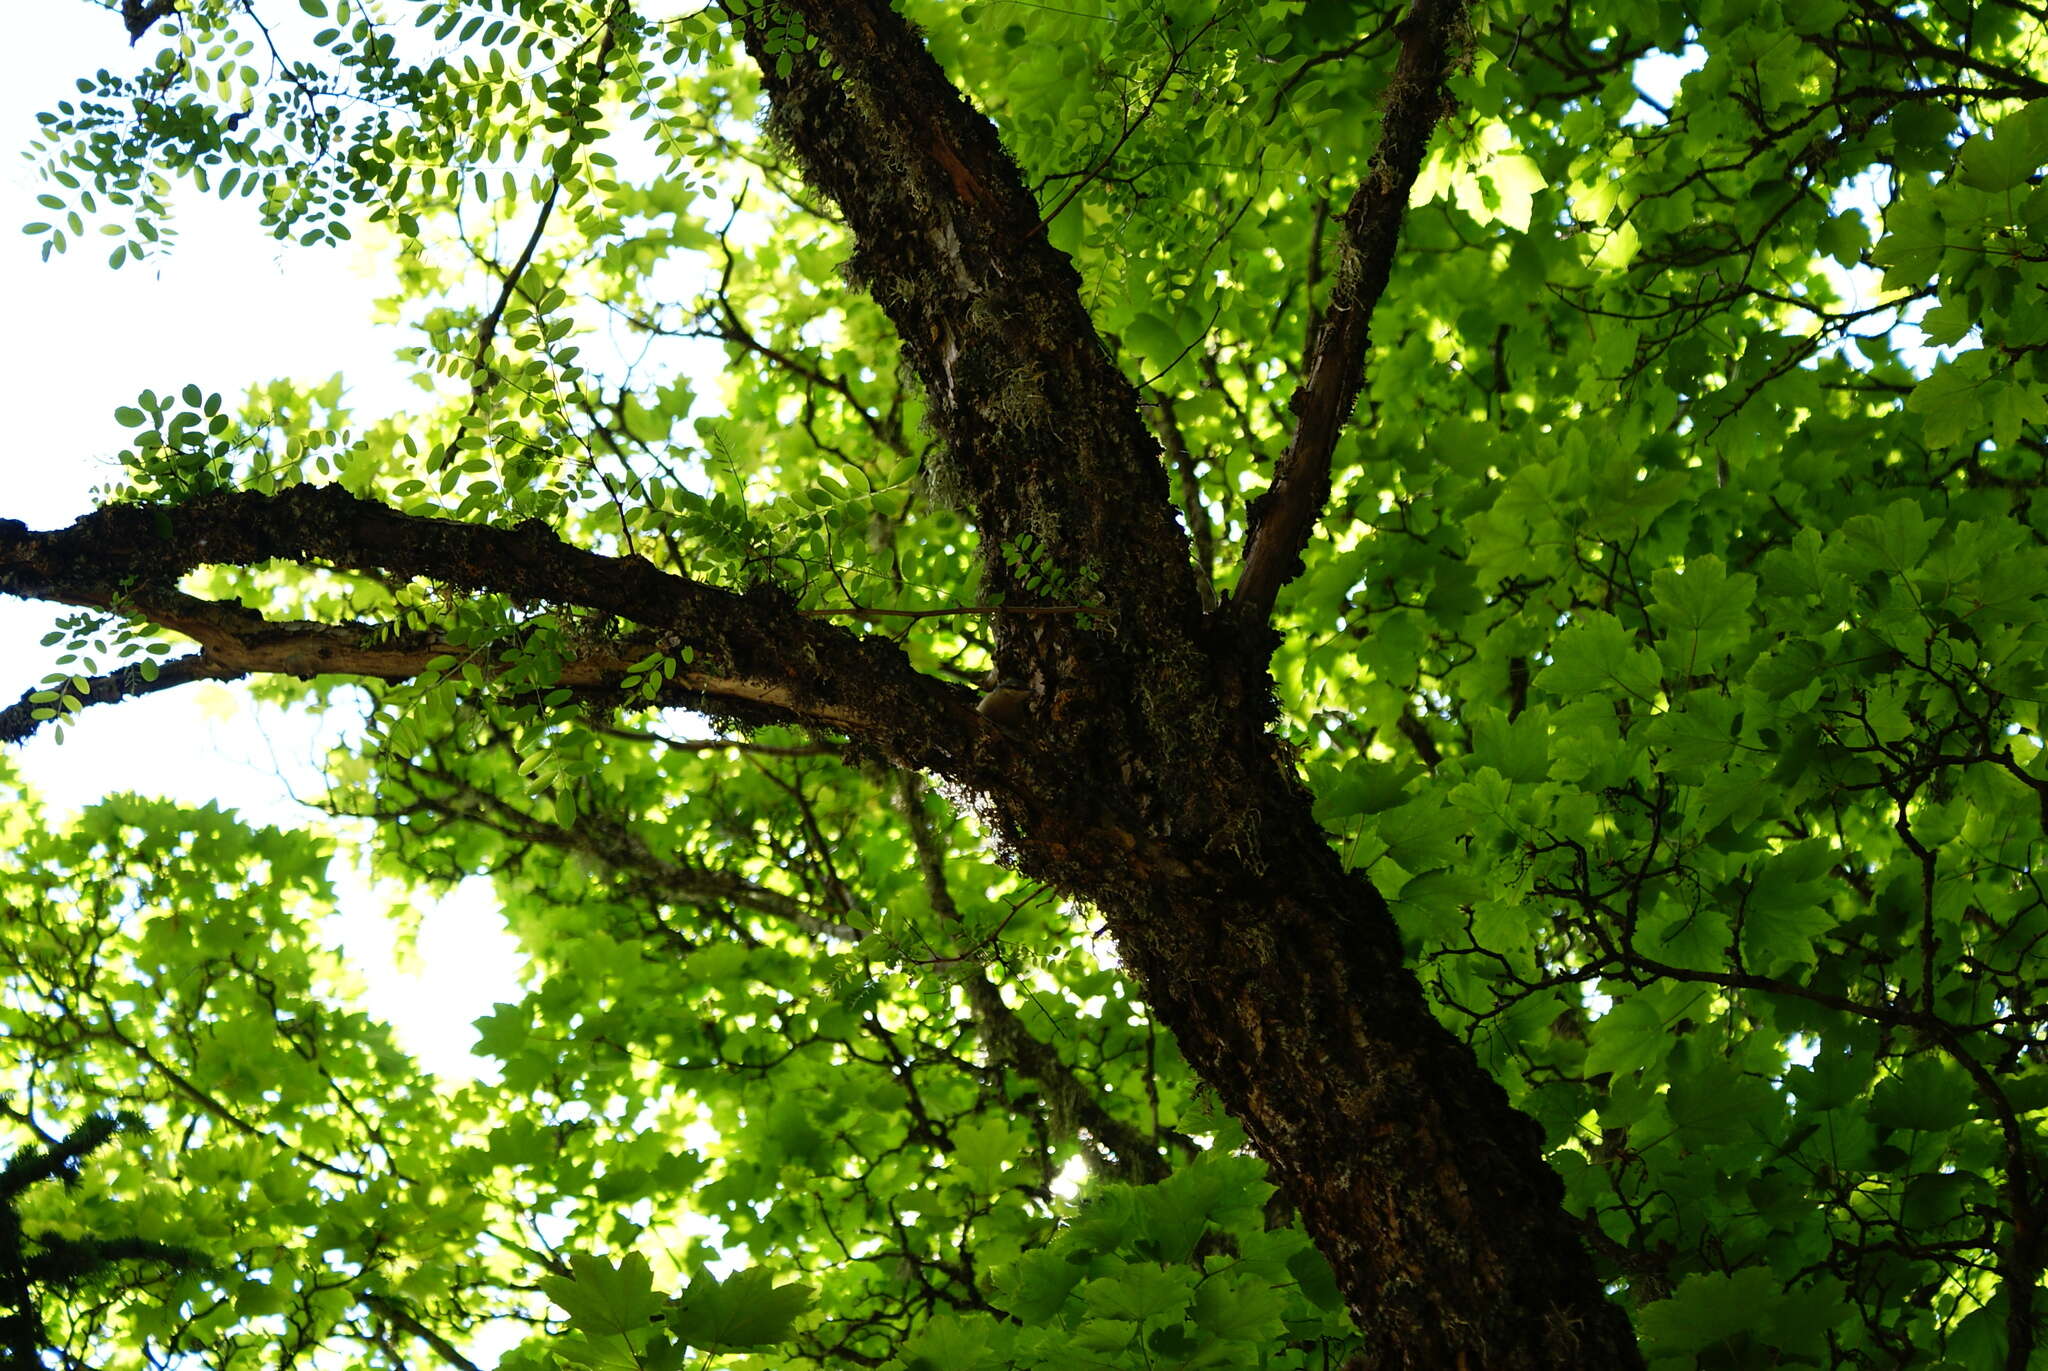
(1282, 978)
(1150, 785)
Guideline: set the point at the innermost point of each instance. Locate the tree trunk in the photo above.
(1284, 984)
(1144, 780)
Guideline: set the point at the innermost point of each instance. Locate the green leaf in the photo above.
(746, 1312)
(1914, 243)
(2013, 150)
(952, 1342)
(1318, 1282)
(604, 1299)
(1703, 610)
(1156, 341)
(1036, 1285)
(1925, 1096)
(1139, 1293)
(1242, 1308)
(1598, 656)
(981, 1148)
(1721, 1104)
(1709, 1309)
(1628, 1037)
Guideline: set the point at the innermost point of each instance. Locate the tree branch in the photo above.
(756, 656)
(138, 16)
(487, 331)
(20, 721)
(1120, 1150)
(1042, 430)
(400, 1316)
(1192, 510)
(1283, 518)
(617, 845)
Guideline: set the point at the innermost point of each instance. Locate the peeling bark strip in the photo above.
(1283, 518)
(1280, 974)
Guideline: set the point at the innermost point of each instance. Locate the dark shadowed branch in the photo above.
(1283, 518)
(754, 656)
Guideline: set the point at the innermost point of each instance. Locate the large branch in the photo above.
(755, 656)
(1283, 518)
(1042, 431)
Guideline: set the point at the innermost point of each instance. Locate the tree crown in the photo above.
(1605, 517)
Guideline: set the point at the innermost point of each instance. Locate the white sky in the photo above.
(227, 308)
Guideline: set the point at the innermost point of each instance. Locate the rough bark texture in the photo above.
(1143, 780)
(1042, 432)
(1426, 1191)
(1164, 801)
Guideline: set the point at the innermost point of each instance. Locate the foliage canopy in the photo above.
(1661, 639)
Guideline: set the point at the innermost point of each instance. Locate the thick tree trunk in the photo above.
(1143, 779)
(1141, 776)
(1284, 984)
(1283, 980)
